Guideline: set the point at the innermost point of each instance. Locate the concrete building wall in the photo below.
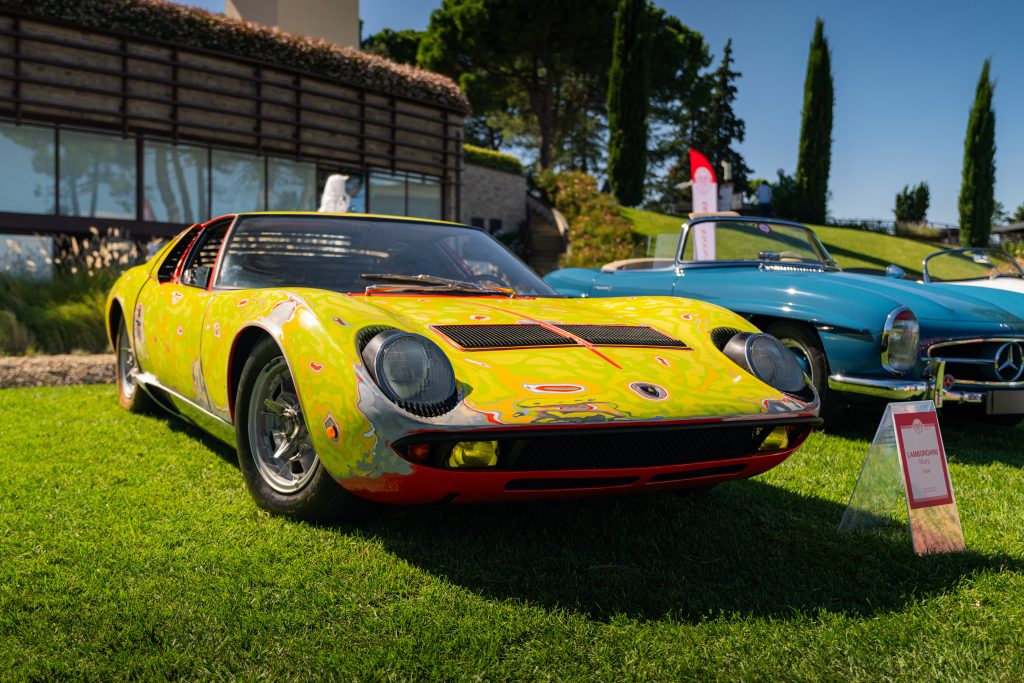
(492, 199)
(333, 20)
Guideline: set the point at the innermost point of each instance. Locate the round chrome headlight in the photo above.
(766, 358)
(900, 336)
(412, 371)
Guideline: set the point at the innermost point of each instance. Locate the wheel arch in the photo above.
(241, 348)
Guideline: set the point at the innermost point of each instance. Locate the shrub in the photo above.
(15, 339)
(499, 161)
(64, 314)
(598, 233)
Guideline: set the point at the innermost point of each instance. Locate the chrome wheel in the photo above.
(280, 444)
(125, 366)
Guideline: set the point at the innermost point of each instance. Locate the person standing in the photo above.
(764, 199)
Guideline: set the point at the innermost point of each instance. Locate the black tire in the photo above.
(130, 394)
(317, 498)
(805, 344)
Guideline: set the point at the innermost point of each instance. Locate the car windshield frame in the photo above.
(825, 261)
(523, 281)
(965, 250)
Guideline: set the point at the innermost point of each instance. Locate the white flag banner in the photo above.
(705, 200)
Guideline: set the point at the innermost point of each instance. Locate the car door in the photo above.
(634, 282)
(171, 311)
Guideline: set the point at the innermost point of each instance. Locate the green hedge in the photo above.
(197, 28)
(500, 161)
(598, 232)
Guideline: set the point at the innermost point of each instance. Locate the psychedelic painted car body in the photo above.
(572, 397)
(861, 337)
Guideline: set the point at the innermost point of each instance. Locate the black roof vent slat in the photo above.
(621, 335)
(527, 335)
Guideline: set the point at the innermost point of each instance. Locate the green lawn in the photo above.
(851, 248)
(130, 549)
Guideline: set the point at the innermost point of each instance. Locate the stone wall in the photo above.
(492, 199)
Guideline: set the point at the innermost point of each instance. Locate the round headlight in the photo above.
(765, 357)
(411, 371)
(900, 336)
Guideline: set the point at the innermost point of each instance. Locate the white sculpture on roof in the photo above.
(335, 198)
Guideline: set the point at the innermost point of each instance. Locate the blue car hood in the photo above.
(927, 302)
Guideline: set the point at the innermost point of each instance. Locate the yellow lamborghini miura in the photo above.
(354, 358)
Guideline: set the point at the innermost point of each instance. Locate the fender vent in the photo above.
(720, 336)
(480, 337)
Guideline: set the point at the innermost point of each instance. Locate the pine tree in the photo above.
(627, 103)
(815, 155)
(977, 191)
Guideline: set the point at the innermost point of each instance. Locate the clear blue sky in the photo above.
(904, 75)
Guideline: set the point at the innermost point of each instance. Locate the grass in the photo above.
(850, 247)
(130, 549)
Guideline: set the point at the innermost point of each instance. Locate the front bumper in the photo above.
(936, 386)
(536, 480)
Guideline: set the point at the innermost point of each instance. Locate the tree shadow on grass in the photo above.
(745, 547)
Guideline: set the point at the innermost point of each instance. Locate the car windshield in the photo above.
(971, 264)
(331, 252)
(754, 241)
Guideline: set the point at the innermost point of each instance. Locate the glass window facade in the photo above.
(59, 171)
(387, 194)
(97, 175)
(238, 183)
(177, 183)
(30, 175)
(291, 186)
(424, 198)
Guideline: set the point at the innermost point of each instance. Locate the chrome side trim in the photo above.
(895, 389)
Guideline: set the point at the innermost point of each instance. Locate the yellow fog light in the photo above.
(474, 454)
(776, 441)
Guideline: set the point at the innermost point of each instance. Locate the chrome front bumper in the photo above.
(934, 386)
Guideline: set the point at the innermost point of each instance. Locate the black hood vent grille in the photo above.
(532, 335)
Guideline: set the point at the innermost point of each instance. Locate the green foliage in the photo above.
(815, 154)
(912, 203)
(62, 315)
(398, 46)
(627, 103)
(492, 159)
(544, 62)
(999, 214)
(193, 27)
(977, 189)
(15, 339)
(708, 124)
(598, 233)
(785, 197)
(1018, 214)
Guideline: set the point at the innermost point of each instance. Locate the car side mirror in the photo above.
(895, 272)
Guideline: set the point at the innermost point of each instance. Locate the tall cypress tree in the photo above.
(977, 191)
(627, 103)
(815, 157)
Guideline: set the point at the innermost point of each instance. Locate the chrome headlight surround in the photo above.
(412, 372)
(766, 358)
(901, 335)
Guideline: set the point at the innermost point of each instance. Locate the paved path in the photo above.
(43, 371)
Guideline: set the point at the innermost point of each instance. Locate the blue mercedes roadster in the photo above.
(859, 337)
